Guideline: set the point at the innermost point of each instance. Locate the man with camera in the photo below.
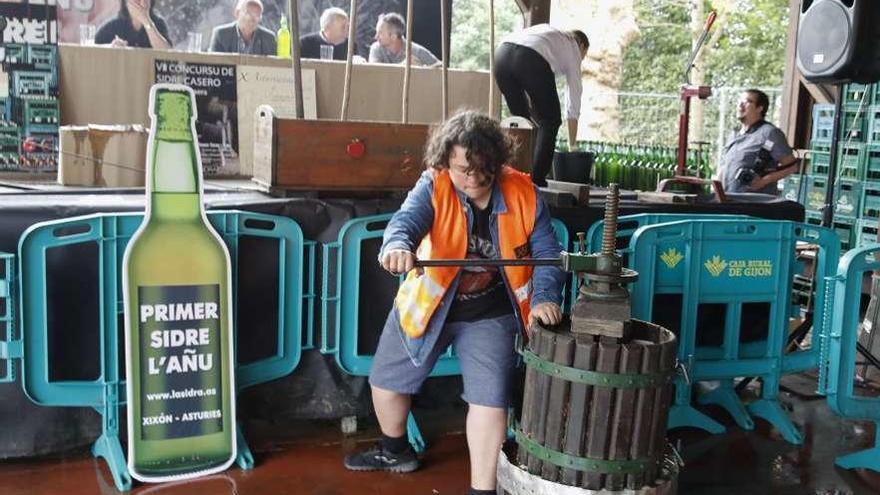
(758, 155)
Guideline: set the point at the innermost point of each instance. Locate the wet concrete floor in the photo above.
(308, 460)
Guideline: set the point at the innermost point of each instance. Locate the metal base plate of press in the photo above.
(513, 480)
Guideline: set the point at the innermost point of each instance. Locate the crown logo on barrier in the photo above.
(715, 265)
(671, 257)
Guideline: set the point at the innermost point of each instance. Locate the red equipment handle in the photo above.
(710, 21)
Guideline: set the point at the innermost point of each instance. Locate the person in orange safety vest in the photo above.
(467, 204)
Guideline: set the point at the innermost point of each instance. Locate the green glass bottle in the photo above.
(177, 283)
(622, 163)
(598, 164)
(627, 168)
(613, 170)
(656, 163)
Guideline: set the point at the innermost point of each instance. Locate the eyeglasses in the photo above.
(475, 174)
(470, 172)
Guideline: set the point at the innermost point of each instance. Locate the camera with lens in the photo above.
(745, 176)
(761, 167)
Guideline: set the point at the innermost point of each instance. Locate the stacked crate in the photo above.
(31, 113)
(857, 184)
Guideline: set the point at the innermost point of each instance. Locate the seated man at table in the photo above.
(333, 35)
(135, 25)
(390, 45)
(244, 35)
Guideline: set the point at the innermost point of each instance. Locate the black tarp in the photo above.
(316, 389)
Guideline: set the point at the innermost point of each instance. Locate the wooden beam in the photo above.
(791, 86)
(821, 93)
(295, 57)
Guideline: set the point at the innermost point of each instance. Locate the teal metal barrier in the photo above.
(340, 328)
(10, 344)
(731, 263)
(111, 233)
(627, 226)
(838, 359)
(340, 308)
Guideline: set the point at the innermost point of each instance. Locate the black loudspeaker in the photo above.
(839, 41)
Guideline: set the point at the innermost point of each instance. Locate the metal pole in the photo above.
(828, 209)
(684, 113)
(492, 110)
(293, 10)
(444, 82)
(352, 32)
(722, 119)
(407, 67)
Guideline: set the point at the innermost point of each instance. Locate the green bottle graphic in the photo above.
(178, 317)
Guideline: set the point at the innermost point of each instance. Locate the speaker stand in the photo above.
(828, 208)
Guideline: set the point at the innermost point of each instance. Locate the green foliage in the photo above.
(746, 48)
(749, 51)
(653, 63)
(470, 31)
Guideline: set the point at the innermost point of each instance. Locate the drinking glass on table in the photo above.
(87, 34)
(326, 52)
(193, 41)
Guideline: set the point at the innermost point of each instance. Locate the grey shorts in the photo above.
(485, 351)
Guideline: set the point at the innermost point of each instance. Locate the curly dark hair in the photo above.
(487, 147)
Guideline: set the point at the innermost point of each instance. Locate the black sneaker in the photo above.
(378, 459)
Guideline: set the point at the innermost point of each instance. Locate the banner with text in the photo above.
(271, 86)
(217, 126)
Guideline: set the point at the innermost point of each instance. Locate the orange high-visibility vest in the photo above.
(420, 295)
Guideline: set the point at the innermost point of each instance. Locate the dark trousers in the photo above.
(529, 87)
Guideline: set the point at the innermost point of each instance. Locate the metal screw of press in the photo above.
(609, 231)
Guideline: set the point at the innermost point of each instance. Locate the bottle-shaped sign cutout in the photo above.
(178, 313)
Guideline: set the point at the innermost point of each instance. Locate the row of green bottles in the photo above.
(638, 167)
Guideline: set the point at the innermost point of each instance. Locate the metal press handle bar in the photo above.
(491, 262)
(698, 46)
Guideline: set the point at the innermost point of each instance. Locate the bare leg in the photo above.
(392, 409)
(486, 430)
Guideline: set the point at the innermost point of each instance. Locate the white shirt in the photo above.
(561, 51)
